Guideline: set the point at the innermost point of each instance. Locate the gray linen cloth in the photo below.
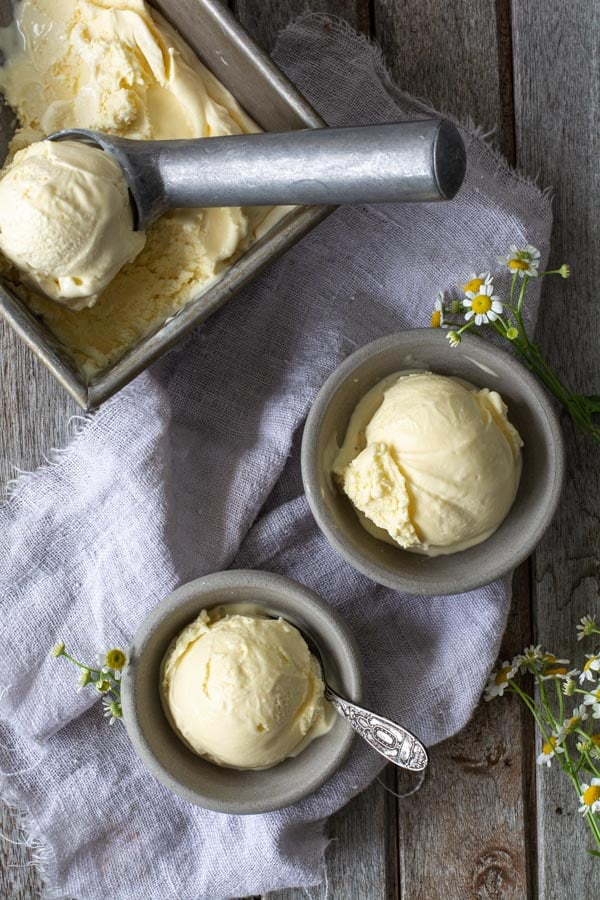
(195, 467)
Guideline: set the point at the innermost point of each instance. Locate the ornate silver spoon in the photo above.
(391, 740)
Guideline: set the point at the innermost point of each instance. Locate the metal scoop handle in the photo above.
(403, 161)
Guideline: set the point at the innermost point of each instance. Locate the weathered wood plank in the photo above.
(429, 47)
(557, 80)
(34, 409)
(265, 20)
(449, 55)
(360, 861)
(464, 835)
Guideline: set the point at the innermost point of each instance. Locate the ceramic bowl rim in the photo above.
(348, 550)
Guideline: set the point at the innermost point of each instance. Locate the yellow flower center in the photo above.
(589, 662)
(481, 304)
(549, 657)
(502, 675)
(573, 722)
(436, 319)
(549, 746)
(520, 264)
(595, 739)
(115, 659)
(556, 670)
(591, 794)
(473, 285)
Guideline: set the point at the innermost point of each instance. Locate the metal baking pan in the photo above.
(274, 104)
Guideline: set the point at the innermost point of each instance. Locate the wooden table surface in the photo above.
(487, 824)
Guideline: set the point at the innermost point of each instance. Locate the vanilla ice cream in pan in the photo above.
(122, 67)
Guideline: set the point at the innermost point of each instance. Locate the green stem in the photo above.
(80, 664)
(533, 709)
(522, 294)
(513, 286)
(561, 706)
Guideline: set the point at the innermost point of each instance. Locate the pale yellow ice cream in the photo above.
(430, 462)
(244, 691)
(66, 221)
(117, 66)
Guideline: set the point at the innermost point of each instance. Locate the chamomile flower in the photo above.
(590, 745)
(475, 282)
(549, 750)
(483, 306)
(570, 685)
(580, 714)
(84, 679)
(524, 262)
(586, 627)
(558, 672)
(115, 659)
(437, 316)
(498, 680)
(453, 338)
(593, 699)
(590, 797)
(112, 710)
(549, 659)
(591, 668)
(529, 655)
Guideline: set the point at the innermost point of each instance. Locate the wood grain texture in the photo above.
(264, 20)
(428, 47)
(465, 834)
(34, 409)
(449, 55)
(360, 860)
(557, 85)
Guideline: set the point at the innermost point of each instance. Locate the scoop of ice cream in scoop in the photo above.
(66, 221)
(244, 691)
(431, 461)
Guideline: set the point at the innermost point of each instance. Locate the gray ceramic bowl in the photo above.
(530, 410)
(167, 757)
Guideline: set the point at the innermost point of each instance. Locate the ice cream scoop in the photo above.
(244, 691)
(248, 690)
(430, 462)
(66, 221)
(403, 161)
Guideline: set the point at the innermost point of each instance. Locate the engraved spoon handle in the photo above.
(392, 741)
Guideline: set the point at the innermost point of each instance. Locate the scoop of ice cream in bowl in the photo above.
(432, 469)
(224, 699)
